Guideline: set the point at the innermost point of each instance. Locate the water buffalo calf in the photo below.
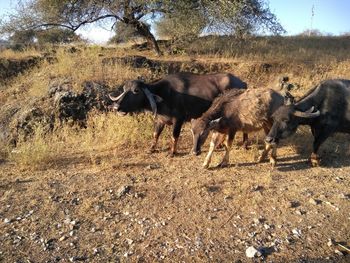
(245, 111)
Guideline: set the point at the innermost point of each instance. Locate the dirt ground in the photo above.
(131, 206)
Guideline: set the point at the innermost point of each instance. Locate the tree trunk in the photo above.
(152, 41)
(144, 31)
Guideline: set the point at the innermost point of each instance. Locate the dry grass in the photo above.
(291, 49)
(175, 210)
(12, 54)
(103, 132)
(106, 131)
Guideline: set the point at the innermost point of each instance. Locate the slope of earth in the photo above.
(138, 207)
(70, 196)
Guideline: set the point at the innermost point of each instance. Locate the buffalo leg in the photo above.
(215, 139)
(264, 153)
(158, 128)
(320, 136)
(175, 138)
(245, 141)
(273, 155)
(228, 144)
(221, 141)
(268, 147)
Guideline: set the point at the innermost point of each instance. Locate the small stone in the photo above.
(338, 252)
(330, 242)
(256, 221)
(123, 190)
(78, 258)
(129, 241)
(294, 204)
(314, 201)
(252, 234)
(96, 251)
(266, 226)
(152, 166)
(127, 254)
(300, 212)
(7, 221)
(75, 201)
(252, 252)
(72, 233)
(62, 238)
(296, 232)
(257, 188)
(289, 240)
(344, 196)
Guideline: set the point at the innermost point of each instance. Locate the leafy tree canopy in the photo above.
(239, 17)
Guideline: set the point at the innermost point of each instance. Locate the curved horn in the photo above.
(307, 114)
(149, 96)
(116, 98)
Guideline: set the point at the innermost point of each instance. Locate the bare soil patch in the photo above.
(133, 206)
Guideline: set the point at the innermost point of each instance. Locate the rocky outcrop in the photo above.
(61, 105)
(12, 67)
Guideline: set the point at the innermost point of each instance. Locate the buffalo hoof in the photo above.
(315, 162)
(196, 153)
(261, 158)
(273, 162)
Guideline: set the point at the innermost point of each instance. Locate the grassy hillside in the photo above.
(85, 189)
(259, 61)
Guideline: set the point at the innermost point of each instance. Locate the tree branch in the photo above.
(76, 27)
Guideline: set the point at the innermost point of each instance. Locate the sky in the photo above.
(330, 16)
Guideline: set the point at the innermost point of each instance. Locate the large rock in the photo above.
(69, 105)
(61, 105)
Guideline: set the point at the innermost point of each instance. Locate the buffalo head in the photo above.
(135, 97)
(200, 130)
(286, 120)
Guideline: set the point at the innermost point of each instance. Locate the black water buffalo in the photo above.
(174, 99)
(326, 109)
(237, 110)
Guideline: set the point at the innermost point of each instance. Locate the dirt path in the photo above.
(136, 207)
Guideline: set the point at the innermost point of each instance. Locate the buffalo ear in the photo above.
(150, 97)
(212, 124)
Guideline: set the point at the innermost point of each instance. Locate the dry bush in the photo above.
(13, 54)
(288, 49)
(103, 132)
